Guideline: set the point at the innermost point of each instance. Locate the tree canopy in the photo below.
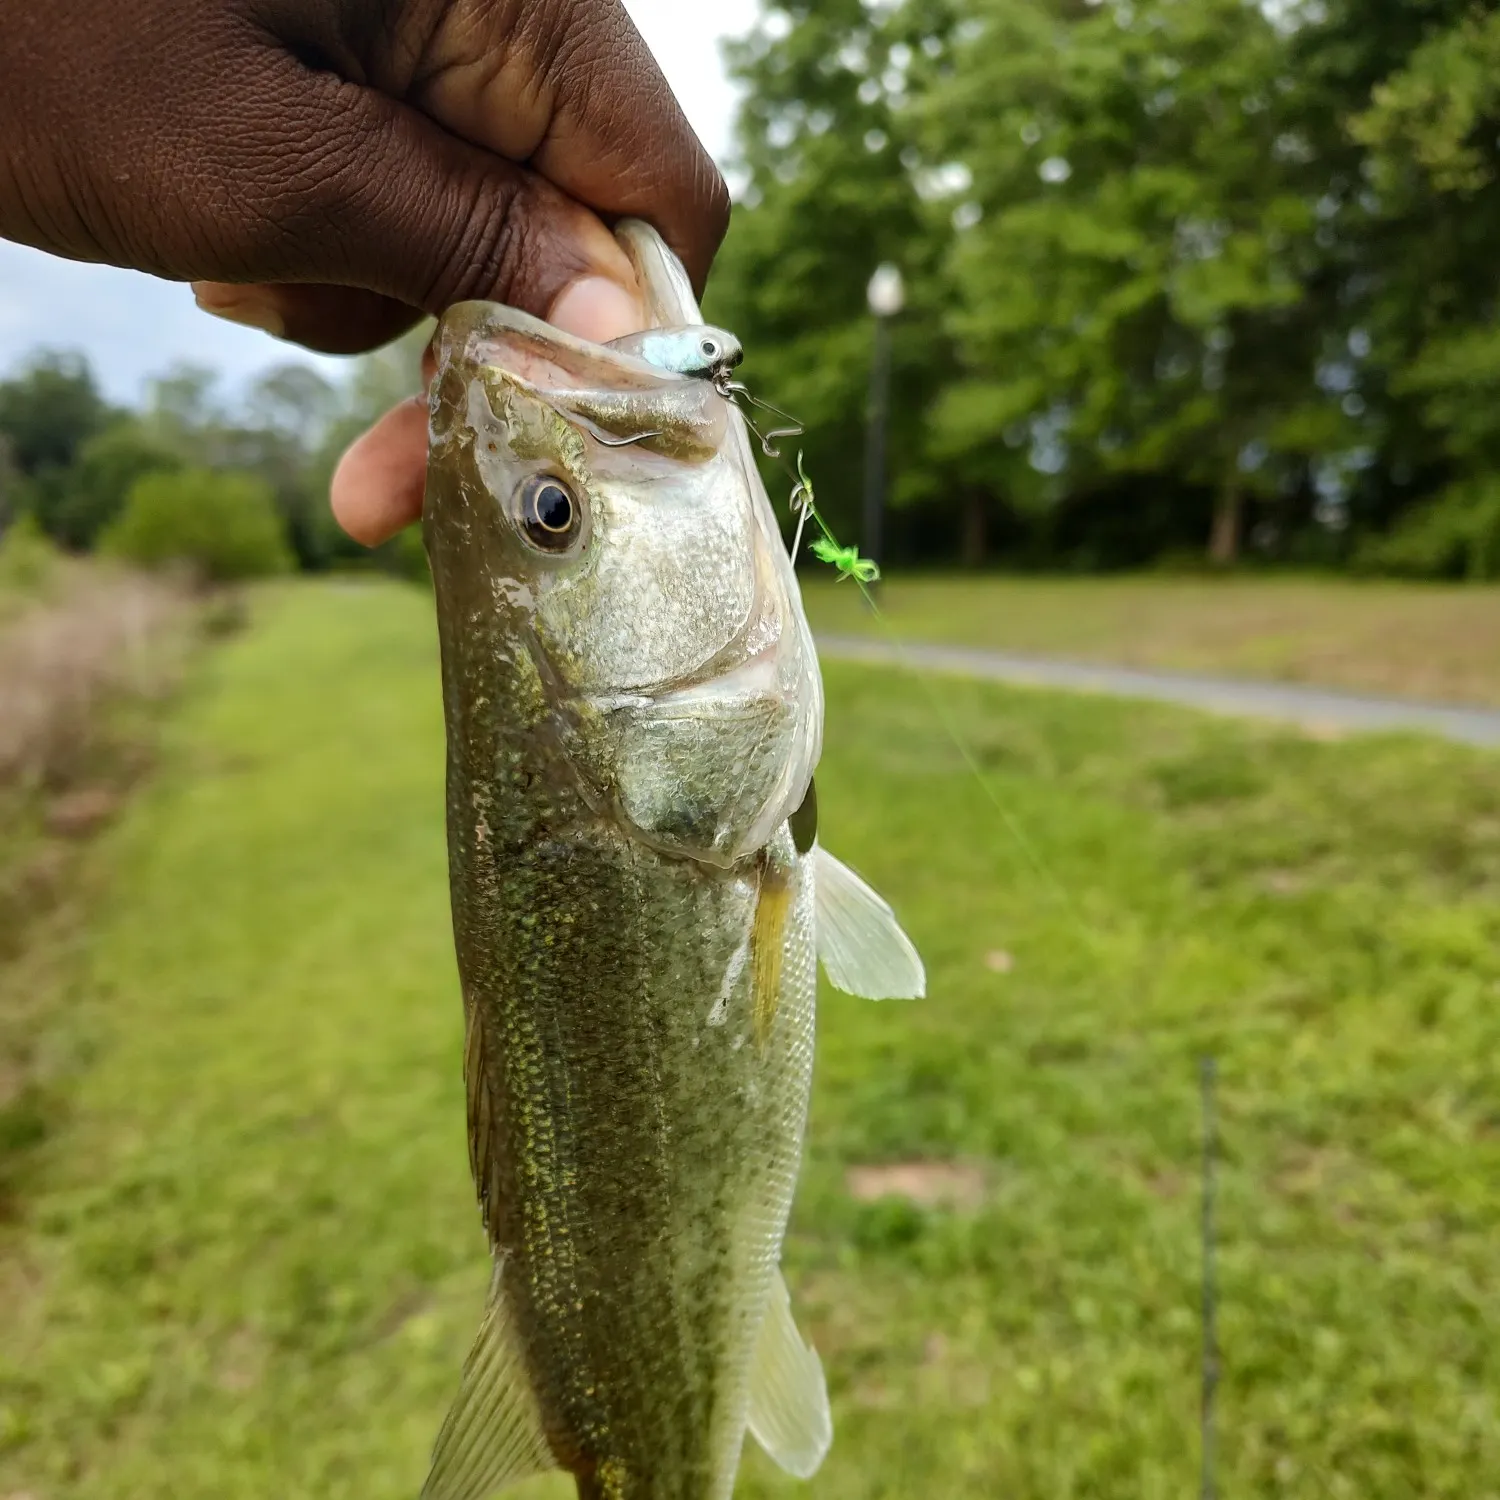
(1205, 278)
(1185, 273)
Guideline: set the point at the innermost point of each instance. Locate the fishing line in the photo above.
(1055, 888)
(864, 572)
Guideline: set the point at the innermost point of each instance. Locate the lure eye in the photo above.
(549, 514)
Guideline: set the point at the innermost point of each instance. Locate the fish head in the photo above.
(615, 583)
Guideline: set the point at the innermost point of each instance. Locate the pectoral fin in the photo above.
(492, 1435)
(789, 1414)
(863, 948)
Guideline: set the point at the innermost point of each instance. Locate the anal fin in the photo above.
(863, 948)
(492, 1435)
(789, 1414)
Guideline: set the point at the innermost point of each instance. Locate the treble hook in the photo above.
(802, 503)
(734, 388)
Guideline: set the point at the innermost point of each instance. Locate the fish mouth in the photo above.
(749, 679)
(755, 677)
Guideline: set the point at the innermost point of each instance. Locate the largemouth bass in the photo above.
(634, 714)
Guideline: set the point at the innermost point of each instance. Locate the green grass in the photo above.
(253, 1263)
(1408, 640)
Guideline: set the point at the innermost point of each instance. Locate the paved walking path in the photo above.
(1314, 708)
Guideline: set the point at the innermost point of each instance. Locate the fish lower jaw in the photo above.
(754, 678)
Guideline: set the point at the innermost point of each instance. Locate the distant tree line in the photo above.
(1187, 278)
(1196, 280)
(234, 488)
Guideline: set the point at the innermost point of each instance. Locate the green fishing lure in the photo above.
(847, 560)
(826, 548)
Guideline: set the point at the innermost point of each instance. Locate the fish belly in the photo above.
(639, 1141)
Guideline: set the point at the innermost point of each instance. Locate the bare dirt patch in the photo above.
(928, 1184)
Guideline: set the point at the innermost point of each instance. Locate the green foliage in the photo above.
(27, 558)
(253, 1259)
(1429, 124)
(222, 526)
(1139, 275)
(87, 497)
(70, 461)
(48, 410)
(1167, 261)
(378, 381)
(829, 199)
(1454, 536)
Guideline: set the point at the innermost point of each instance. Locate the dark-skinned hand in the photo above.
(331, 170)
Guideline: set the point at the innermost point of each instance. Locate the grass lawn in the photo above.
(1433, 641)
(248, 1263)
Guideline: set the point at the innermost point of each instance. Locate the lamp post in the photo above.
(886, 295)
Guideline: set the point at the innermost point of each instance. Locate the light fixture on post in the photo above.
(887, 296)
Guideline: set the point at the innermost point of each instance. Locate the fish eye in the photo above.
(549, 514)
(709, 348)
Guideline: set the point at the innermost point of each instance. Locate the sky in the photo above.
(133, 326)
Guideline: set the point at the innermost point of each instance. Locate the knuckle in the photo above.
(717, 204)
(496, 250)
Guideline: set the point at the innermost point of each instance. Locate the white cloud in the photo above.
(132, 326)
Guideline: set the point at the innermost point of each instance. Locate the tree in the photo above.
(276, 435)
(833, 191)
(184, 409)
(296, 401)
(379, 381)
(1140, 287)
(48, 410)
(92, 492)
(1432, 130)
(290, 409)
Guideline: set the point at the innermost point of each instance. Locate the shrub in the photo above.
(93, 492)
(1455, 536)
(27, 558)
(222, 526)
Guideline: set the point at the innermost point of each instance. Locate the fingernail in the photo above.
(597, 308)
(235, 305)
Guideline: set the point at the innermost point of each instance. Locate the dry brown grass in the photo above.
(80, 659)
(101, 638)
